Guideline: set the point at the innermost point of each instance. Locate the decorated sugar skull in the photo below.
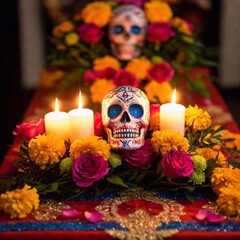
(125, 116)
(127, 31)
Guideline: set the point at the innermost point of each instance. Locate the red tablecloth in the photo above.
(165, 215)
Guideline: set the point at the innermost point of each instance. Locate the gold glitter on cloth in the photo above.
(49, 210)
(141, 213)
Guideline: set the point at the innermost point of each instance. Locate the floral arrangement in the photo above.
(171, 56)
(205, 157)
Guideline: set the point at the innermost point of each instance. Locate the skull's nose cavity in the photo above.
(125, 118)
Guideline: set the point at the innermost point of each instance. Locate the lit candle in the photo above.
(81, 122)
(172, 116)
(57, 122)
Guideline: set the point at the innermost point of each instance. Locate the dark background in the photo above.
(14, 99)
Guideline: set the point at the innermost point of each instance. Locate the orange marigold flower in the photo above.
(166, 140)
(139, 67)
(209, 153)
(229, 201)
(234, 143)
(197, 118)
(157, 11)
(158, 92)
(224, 177)
(99, 89)
(105, 62)
(181, 25)
(98, 13)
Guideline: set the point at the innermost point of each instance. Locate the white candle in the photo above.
(81, 122)
(172, 116)
(57, 122)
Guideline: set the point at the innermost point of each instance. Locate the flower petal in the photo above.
(93, 216)
(71, 213)
(202, 214)
(213, 217)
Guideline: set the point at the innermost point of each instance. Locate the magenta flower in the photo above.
(125, 78)
(161, 72)
(90, 75)
(160, 31)
(138, 3)
(90, 33)
(29, 130)
(177, 164)
(140, 157)
(98, 128)
(89, 168)
(209, 216)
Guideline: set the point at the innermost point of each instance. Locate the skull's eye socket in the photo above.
(136, 110)
(118, 29)
(114, 111)
(135, 30)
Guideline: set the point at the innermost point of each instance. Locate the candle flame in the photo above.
(56, 105)
(80, 100)
(174, 96)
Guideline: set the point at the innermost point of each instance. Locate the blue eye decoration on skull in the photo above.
(118, 29)
(136, 110)
(114, 111)
(135, 30)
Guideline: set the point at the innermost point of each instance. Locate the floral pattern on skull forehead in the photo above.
(125, 114)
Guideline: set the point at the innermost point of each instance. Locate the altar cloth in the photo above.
(126, 215)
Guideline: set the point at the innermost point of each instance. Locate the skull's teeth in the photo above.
(126, 133)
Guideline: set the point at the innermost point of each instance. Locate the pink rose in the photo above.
(161, 72)
(177, 164)
(89, 168)
(160, 31)
(29, 130)
(125, 78)
(98, 129)
(140, 157)
(90, 33)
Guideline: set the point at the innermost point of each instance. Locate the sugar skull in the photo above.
(125, 116)
(127, 31)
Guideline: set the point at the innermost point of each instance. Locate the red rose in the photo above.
(161, 72)
(29, 130)
(90, 33)
(125, 78)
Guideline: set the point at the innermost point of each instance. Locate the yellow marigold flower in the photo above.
(46, 150)
(71, 39)
(154, 122)
(224, 177)
(105, 62)
(161, 92)
(98, 13)
(49, 78)
(94, 145)
(229, 201)
(139, 67)
(197, 117)
(99, 89)
(166, 140)
(158, 11)
(181, 25)
(20, 202)
(209, 153)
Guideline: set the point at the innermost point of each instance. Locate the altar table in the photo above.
(140, 215)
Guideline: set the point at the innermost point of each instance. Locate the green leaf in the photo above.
(55, 186)
(117, 181)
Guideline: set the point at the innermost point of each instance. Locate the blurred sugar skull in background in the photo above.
(127, 31)
(125, 116)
